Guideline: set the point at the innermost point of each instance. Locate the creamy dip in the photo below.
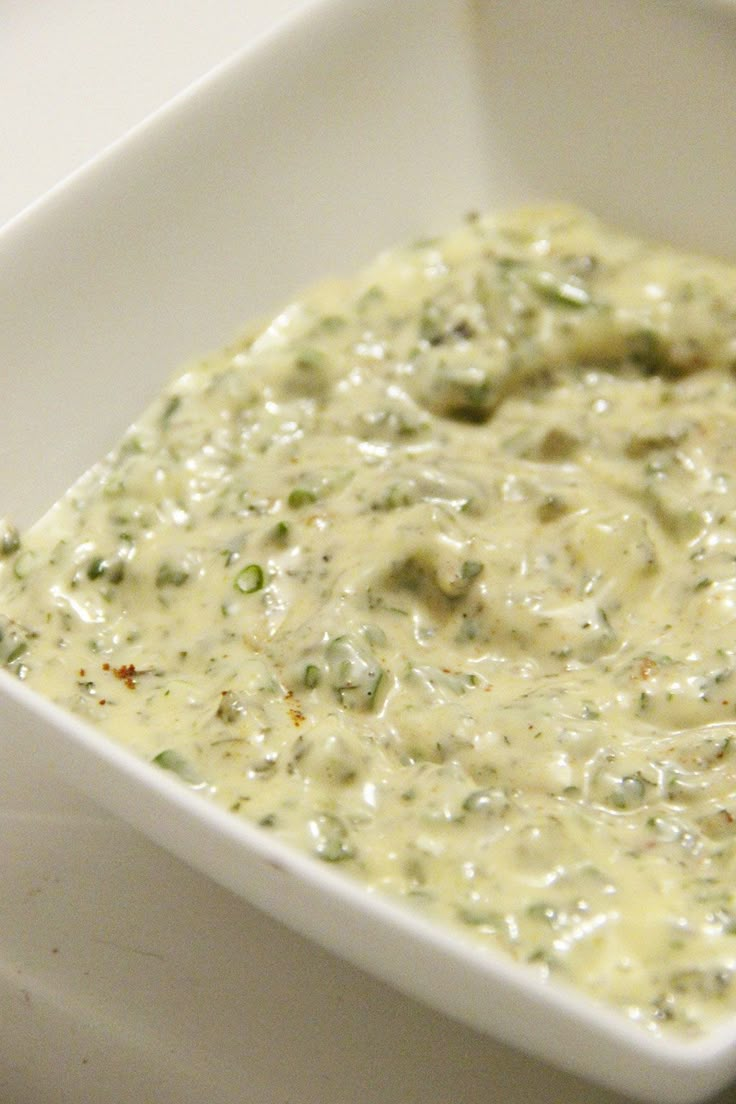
(436, 578)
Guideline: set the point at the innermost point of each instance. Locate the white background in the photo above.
(125, 977)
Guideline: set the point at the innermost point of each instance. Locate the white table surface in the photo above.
(125, 977)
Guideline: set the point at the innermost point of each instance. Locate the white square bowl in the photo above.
(356, 124)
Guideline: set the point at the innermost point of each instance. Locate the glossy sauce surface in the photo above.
(434, 576)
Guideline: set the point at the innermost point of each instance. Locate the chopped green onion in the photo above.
(566, 293)
(170, 574)
(170, 409)
(171, 760)
(301, 496)
(113, 570)
(280, 532)
(9, 538)
(308, 359)
(24, 565)
(96, 568)
(312, 675)
(250, 579)
(332, 843)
